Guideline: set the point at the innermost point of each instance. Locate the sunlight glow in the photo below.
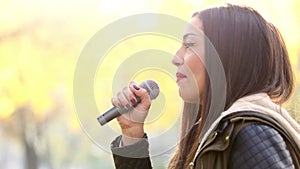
(120, 6)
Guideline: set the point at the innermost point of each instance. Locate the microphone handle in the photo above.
(114, 112)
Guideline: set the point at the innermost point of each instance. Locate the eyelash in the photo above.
(188, 44)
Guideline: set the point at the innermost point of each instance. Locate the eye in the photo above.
(188, 44)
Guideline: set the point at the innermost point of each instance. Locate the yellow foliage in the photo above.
(40, 41)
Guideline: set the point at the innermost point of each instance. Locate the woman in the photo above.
(243, 125)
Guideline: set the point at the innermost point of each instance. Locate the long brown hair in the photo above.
(254, 58)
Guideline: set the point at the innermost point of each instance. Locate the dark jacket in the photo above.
(243, 140)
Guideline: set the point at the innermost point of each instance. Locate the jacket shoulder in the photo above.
(259, 146)
(219, 144)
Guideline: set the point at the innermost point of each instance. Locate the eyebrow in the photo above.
(188, 34)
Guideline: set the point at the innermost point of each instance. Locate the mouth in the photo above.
(180, 76)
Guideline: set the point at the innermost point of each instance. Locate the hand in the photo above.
(132, 122)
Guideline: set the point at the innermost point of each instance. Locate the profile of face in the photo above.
(189, 60)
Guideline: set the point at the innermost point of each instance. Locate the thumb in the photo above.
(142, 93)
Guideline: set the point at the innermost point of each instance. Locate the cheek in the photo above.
(198, 70)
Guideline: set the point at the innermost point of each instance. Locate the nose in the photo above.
(178, 58)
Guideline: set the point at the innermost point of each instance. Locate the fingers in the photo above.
(125, 98)
(142, 94)
(135, 99)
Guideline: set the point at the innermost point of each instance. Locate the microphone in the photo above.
(152, 89)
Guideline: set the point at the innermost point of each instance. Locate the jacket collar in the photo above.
(262, 103)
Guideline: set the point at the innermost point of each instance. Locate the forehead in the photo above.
(194, 26)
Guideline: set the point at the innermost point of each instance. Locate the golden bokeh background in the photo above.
(40, 42)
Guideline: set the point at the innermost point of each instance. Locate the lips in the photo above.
(180, 76)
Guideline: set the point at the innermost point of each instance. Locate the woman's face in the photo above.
(189, 60)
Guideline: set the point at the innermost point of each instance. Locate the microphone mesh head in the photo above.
(152, 88)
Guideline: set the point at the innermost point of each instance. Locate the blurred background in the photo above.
(40, 41)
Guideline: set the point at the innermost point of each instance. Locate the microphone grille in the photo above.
(152, 88)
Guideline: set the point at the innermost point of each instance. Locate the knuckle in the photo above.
(112, 100)
(115, 101)
(124, 90)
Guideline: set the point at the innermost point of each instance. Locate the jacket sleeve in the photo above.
(261, 147)
(135, 156)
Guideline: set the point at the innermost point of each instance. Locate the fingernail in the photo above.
(136, 87)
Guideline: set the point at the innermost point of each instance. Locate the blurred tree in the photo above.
(29, 81)
(39, 44)
(23, 125)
